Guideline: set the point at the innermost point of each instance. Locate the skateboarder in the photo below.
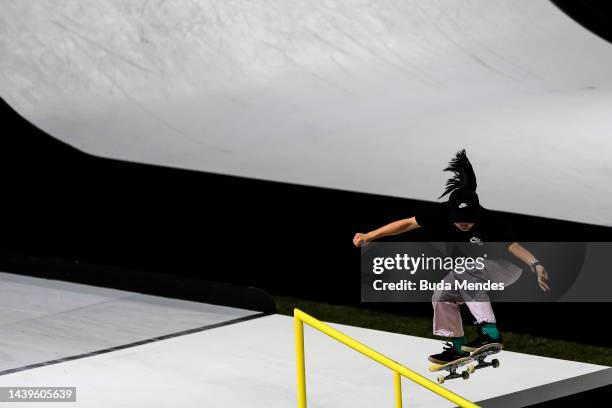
(463, 219)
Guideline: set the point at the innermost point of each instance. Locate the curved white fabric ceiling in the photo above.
(370, 96)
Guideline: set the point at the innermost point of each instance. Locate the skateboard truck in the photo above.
(453, 374)
(481, 363)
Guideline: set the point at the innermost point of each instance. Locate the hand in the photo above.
(360, 239)
(542, 278)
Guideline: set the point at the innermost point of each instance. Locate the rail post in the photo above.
(300, 363)
(398, 389)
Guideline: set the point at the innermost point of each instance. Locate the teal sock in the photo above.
(491, 330)
(458, 342)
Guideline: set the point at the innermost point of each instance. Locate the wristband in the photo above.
(534, 264)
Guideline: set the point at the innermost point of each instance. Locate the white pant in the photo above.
(447, 317)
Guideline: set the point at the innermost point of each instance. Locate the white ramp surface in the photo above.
(43, 321)
(252, 364)
(371, 96)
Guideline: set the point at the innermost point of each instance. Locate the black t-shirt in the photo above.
(488, 229)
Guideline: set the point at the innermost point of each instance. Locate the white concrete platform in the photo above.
(252, 364)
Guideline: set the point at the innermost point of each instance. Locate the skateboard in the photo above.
(475, 361)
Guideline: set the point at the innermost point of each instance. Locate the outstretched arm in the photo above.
(526, 256)
(394, 228)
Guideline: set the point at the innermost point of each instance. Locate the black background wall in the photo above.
(293, 240)
(594, 15)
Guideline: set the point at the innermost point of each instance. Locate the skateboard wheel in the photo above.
(440, 379)
(465, 375)
(495, 363)
(471, 368)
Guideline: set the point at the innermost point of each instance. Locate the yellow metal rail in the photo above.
(399, 370)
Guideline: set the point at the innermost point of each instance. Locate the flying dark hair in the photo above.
(464, 178)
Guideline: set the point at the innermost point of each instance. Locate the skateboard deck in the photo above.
(476, 361)
(453, 364)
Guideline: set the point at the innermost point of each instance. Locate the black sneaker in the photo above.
(482, 340)
(449, 354)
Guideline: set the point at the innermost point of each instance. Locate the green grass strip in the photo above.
(419, 326)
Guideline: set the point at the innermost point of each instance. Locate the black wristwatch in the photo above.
(534, 265)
